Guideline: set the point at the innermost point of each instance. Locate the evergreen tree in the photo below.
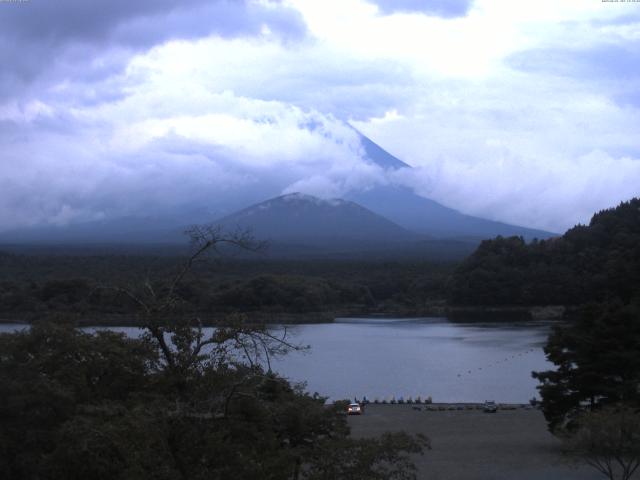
(598, 363)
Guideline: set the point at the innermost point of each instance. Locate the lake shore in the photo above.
(207, 320)
(474, 445)
(465, 314)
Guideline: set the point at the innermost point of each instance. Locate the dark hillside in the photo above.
(35, 286)
(588, 263)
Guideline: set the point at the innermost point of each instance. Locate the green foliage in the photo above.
(292, 292)
(47, 373)
(588, 263)
(598, 363)
(33, 286)
(75, 405)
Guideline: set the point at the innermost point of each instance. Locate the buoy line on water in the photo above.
(427, 400)
(496, 363)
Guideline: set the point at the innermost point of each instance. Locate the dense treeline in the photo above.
(36, 285)
(588, 263)
(175, 402)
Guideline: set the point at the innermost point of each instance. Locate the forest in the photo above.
(595, 262)
(85, 286)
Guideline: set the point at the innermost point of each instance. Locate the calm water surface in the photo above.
(451, 362)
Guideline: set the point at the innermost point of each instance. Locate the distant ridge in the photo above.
(303, 226)
(362, 219)
(300, 218)
(423, 215)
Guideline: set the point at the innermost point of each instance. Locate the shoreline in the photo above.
(453, 406)
(451, 313)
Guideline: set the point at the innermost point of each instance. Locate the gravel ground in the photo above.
(473, 445)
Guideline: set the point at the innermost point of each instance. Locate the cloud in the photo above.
(517, 111)
(141, 23)
(241, 151)
(493, 153)
(51, 41)
(441, 8)
(308, 75)
(609, 62)
(503, 187)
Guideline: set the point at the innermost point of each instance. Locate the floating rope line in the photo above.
(427, 399)
(497, 362)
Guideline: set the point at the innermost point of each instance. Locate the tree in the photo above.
(608, 440)
(172, 404)
(48, 375)
(598, 363)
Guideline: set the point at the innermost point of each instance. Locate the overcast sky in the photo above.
(526, 112)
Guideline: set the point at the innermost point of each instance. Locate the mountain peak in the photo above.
(301, 218)
(378, 155)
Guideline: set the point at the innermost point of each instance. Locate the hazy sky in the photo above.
(522, 111)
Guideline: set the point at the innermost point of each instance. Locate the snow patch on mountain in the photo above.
(303, 197)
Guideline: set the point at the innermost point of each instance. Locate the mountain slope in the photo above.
(379, 155)
(426, 216)
(298, 218)
(429, 217)
(402, 209)
(303, 226)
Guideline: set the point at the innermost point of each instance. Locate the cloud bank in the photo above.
(526, 114)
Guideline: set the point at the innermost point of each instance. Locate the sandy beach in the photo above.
(474, 445)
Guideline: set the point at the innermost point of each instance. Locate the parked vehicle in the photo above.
(490, 406)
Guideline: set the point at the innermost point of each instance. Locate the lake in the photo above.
(385, 357)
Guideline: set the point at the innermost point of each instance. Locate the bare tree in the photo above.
(182, 341)
(608, 440)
